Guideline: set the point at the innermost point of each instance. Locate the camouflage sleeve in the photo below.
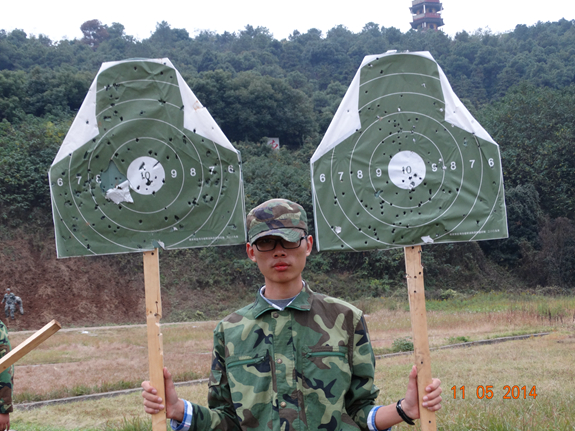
(220, 413)
(362, 394)
(7, 376)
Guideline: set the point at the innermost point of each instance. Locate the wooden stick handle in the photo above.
(155, 345)
(415, 286)
(29, 344)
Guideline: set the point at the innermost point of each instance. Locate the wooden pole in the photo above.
(29, 344)
(155, 345)
(415, 287)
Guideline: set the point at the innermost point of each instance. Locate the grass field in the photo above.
(538, 371)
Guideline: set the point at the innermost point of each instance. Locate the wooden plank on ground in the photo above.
(29, 344)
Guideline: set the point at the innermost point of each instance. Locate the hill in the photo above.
(519, 85)
(75, 292)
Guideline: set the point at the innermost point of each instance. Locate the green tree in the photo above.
(26, 153)
(535, 127)
(94, 33)
(250, 107)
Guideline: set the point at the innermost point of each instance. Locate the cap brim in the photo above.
(291, 235)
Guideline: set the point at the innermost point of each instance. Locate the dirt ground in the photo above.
(82, 291)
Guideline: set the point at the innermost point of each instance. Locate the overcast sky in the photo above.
(61, 19)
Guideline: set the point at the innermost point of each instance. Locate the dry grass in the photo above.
(386, 326)
(541, 362)
(485, 316)
(545, 363)
(106, 356)
(58, 367)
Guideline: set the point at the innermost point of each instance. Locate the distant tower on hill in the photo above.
(426, 14)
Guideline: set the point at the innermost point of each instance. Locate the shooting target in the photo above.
(144, 165)
(404, 163)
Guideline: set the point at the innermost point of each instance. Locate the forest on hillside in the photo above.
(519, 85)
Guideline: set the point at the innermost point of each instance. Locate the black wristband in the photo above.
(401, 413)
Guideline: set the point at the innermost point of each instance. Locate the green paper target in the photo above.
(144, 165)
(404, 163)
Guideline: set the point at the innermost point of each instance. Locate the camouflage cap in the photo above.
(279, 217)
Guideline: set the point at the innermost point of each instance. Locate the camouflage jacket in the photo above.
(7, 376)
(10, 299)
(308, 367)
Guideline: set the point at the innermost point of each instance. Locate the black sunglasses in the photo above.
(269, 244)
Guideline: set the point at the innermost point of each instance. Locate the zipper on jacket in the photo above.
(310, 354)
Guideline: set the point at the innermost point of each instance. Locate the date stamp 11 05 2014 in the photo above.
(509, 392)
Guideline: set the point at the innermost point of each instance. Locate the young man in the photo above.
(294, 359)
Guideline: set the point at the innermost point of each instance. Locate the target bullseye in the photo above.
(146, 175)
(406, 170)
